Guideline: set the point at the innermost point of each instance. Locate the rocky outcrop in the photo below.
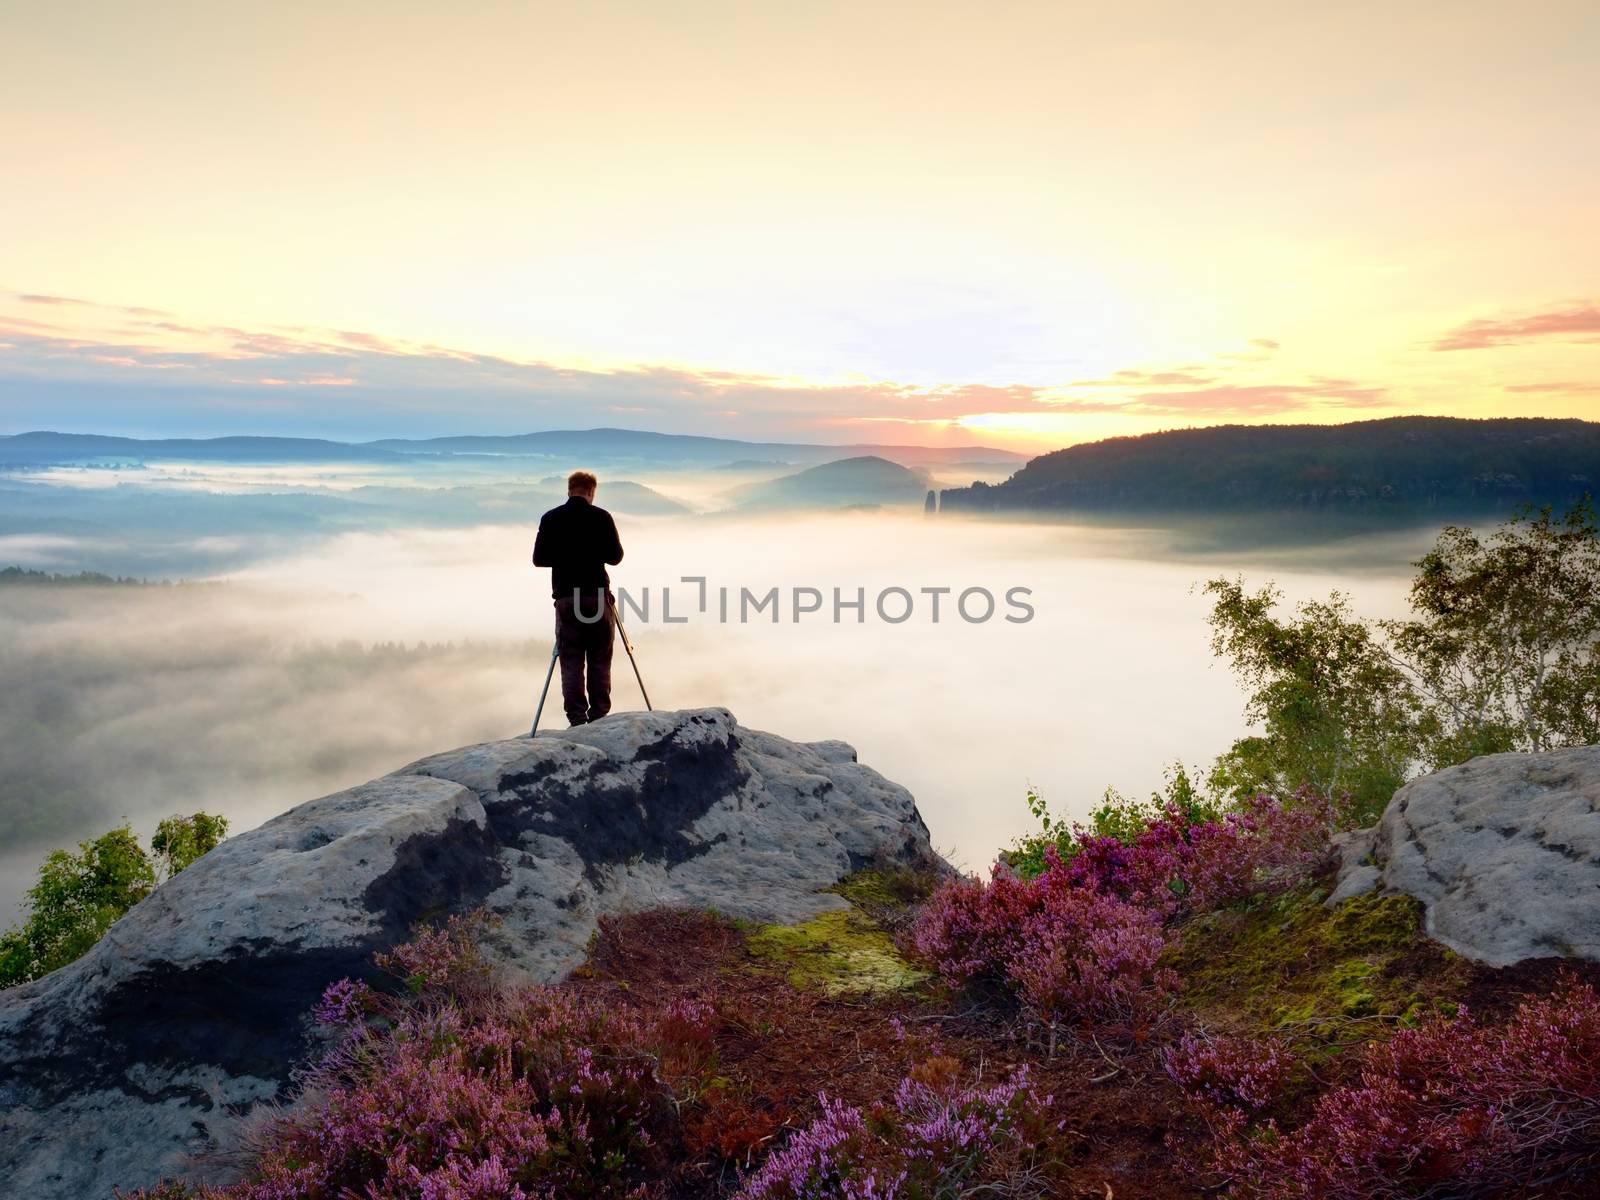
(1504, 851)
(119, 1068)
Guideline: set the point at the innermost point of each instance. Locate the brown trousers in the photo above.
(583, 640)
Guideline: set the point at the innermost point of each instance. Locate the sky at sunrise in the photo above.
(1021, 224)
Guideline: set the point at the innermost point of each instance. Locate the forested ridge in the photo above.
(1429, 464)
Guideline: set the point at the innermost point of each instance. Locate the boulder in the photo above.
(123, 1066)
(1504, 851)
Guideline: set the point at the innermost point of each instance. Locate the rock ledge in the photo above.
(1504, 851)
(118, 1068)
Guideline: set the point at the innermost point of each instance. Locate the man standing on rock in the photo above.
(577, 541)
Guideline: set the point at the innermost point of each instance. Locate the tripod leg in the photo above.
(538, 712)
(616, 615)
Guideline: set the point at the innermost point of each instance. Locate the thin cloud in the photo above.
(370, 341)
(1575, 323)
(1262, 399)
(314, 381)
(281, 371)
(25, 324)
(178, 327)
(1558, 389)
(1135, 378)
(1165, 378)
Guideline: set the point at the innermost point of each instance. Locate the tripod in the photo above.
(614, 614)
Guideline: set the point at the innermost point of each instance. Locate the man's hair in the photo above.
(581, 483)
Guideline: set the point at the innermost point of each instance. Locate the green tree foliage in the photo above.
(1505, 645)
(77, 897)
(1336, 712)
(74, 901)
(1027, 856)
(1502, 653)
(1120, 816)
(1124, 817)
(178, 841)
(1398, 468)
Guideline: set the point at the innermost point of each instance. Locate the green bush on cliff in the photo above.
(1502, 652)
(178, 841)
(1119, 816)
(77, 897)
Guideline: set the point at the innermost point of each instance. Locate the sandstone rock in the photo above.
(118, 1068)
(1504, 851)
(1358, 872)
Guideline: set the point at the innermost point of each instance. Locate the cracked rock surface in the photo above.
(120, 1068)
(1504, 851)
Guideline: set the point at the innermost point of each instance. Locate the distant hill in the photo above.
(849, 483)
(619, 495)
(633, 445)
(1433, 465)
(590, 446)
(45, 448)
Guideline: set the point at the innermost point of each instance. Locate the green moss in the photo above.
(1347, 986)
(886, 887)
(837, 952)
(1291, 962)
(1370, 924)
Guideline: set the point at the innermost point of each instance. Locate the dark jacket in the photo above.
(576, 541)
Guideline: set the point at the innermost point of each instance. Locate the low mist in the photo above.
(332, 657)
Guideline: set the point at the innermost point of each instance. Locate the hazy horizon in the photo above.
(319, 645)
(1021, 227)
(189, 433)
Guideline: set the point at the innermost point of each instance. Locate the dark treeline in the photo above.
(25, 575)
(1440, 466)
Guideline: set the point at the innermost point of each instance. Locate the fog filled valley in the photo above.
(337, 620)
(278, 670)
(1094, 689)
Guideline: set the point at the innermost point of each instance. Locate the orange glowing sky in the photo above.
(1026, 224)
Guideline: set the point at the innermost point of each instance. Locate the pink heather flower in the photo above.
(1245, 1073)
(929, 1141)
(344, 1003)
(1072, 954)
(458, 1092)
(1450, 1108)
(1080, 942)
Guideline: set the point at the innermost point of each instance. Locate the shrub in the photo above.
(1080, 941)
(1119, 817)
(74, 901)
(1073, 955)
(178, 841)
(934, 1138)
(970, 932)
(1262, 845)
(452, 1090)
(1090, 959)
(1452, 1108)
(77, 897)
(1247, 1073)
